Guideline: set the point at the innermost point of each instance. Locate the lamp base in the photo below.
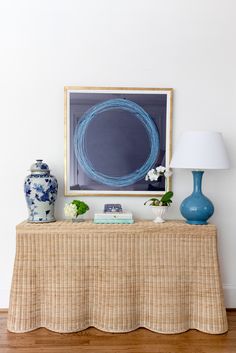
(197, 208)
(196, 222)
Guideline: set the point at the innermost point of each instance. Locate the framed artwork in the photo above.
(113, 137)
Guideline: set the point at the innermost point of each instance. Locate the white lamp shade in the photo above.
(200, 150)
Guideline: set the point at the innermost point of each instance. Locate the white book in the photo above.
(113, 215)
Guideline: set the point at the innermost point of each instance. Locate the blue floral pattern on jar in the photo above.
(40, 189)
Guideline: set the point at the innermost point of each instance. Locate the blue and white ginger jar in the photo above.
(41, 192)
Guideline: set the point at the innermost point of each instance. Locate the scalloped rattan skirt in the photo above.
(69, 276)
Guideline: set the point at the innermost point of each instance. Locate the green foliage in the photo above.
(165, 200)
(81, 206)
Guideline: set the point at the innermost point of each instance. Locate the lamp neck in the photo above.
(197, 181)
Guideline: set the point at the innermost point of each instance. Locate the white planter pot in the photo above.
(159, 212)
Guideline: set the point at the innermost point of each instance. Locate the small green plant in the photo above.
(81, 207)
(75, 208)
(165, 200)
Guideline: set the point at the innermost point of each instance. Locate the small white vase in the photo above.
(159, 212)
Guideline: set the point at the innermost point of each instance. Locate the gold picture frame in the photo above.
(76, 97)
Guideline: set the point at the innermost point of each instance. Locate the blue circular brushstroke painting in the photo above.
(137, 112)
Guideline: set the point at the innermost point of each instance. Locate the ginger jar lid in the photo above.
(39, 167)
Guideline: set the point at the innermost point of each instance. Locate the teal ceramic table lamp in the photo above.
(198, 151)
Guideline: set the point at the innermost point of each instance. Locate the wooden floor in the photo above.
(95, 341)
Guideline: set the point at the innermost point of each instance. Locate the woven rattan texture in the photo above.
(69, 276)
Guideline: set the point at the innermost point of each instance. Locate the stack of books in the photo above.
(113, 214)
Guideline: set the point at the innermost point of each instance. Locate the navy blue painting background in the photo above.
(117, 143)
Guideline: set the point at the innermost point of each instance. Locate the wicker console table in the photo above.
(69, 276)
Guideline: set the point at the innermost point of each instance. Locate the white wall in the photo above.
(186, 44)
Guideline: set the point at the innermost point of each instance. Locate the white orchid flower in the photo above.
(151, 174)
(160, 169)
(167, 173)
(154, 174)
